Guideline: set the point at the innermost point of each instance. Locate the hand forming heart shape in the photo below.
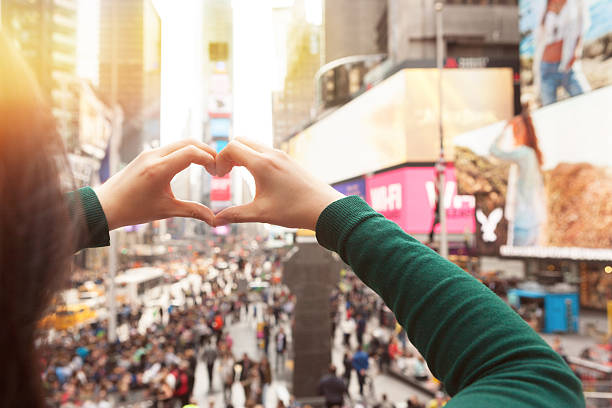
(286, 194)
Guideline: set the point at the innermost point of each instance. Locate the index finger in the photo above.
(173, 147)
(258, 147)
(181, 159)
(235, 154)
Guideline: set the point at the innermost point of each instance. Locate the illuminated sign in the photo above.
(356, 187)
(220, 127)
(220, 188)
(563, 52)
(396, 121)
(553, 184)
(407, 196)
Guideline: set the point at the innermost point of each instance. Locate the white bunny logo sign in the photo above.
(489, 224)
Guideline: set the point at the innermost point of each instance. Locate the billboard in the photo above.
(543, 182)
(220, 145)
(220, 188)
(220, 127)
(407, 196)
(354, 187)
(565, 48)
(396, 121)
(220, 105)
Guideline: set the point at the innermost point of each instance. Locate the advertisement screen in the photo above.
(356, 187)
(543, 181)
(565, 48)
(220, 188)
(408, 196)
(220, 145)
(220, 127)
(219, 105)
(396, 121)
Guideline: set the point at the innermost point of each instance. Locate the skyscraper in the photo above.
(293, 103)
(138, 31)
(351, 28)
(45, 33)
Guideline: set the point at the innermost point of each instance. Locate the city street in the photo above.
(245, 341)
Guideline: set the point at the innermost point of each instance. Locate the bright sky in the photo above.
(314, 11)
(253, 55)
(88, 45)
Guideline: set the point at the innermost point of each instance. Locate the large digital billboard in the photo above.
(396, 122)
(543, 181)
(565, 48)
(354, 187)
(407, 196)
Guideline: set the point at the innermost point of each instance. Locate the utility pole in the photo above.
(441, 164)
(113, 167)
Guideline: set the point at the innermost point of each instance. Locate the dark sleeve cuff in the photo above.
(339, 219)
(89, 217)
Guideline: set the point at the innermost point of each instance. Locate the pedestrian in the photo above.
(265, 377)
(333, 318)
(348, 327)
(385, 403)
(276, 311)
(413, 402)
(210, 356)
(191, 368)
(244, 365)
(227, 376)
(281, 348)
(181, 388)
(361, 328)
(332, 388)
(266, 336)
(361, 365)
(229, 341)
(438, 401)
(420, 369)
(347, 362)
(217, 326)
(393, 350)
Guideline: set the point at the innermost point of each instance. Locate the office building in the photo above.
(292, 105)
(471, 29)
(352, 27)
(45, 32)
(138, 40)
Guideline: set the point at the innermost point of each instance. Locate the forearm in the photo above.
(471, 340)
(88, 218)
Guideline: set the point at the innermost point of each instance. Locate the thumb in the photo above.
(240, 213)
(192, 209)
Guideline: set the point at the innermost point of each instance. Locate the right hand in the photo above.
(286, 194)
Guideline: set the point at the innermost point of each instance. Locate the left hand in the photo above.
(141, 192)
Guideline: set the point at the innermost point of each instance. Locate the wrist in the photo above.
(330, 196)
(105, 199)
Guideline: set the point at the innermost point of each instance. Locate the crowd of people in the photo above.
(371, 341)
(157, 363)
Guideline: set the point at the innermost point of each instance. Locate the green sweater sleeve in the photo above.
(484, 353)
(89, 219)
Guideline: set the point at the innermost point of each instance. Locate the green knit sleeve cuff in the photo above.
(339, 219)
(89, 216)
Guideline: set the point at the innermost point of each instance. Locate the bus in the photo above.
(140, 284)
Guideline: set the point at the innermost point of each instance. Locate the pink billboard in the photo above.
(407, 196)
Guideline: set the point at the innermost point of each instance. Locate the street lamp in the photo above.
(441, 164)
